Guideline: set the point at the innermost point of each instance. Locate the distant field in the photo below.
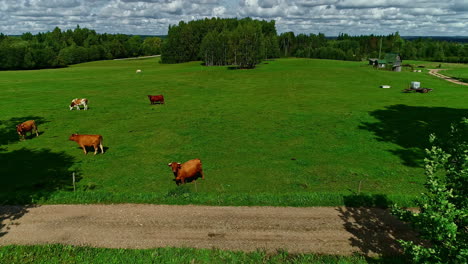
(458, 73)
(291, 132)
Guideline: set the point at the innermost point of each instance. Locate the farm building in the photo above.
(392, 61)
(373, 61)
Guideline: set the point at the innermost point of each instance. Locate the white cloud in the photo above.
(409, 17)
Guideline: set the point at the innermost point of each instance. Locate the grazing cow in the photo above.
(27, 126)
(138, 71)
(87, 141)
(77, 102)
(156, 98)
(190, 170)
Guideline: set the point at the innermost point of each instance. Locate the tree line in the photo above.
(231, 41)
(355, 48)
(216, 41)
(61, 48)
(246, 42)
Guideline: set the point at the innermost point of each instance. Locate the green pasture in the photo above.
(296, 132)
(459, 73)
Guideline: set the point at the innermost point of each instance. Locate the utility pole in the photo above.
(380, 49)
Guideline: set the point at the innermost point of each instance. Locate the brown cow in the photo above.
(27, 126)
(156, 98)
(87, 141)
(190, 170)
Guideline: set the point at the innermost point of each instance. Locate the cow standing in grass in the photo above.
(27, 126)
(156, 98)
(190, 170)
(87, 141)
(77, 102)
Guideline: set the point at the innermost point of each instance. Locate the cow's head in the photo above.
(175, 167)
(19, 129)
(73, 103)
(73, 137)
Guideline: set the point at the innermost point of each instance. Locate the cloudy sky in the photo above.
(152, 17)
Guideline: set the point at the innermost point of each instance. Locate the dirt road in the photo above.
(327, 230)
(435, 72)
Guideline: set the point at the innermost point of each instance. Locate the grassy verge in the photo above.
(69, 254)
(183, 196)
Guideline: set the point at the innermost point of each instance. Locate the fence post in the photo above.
(74, 187)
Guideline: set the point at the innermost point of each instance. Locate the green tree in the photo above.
(286, 43)
(250, 45)
(442, 219)
(152, 46)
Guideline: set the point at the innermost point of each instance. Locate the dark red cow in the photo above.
(190, 170)
(156, 99)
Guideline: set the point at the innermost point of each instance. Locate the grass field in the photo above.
(296, 132)
(459, 73)
(69, 254)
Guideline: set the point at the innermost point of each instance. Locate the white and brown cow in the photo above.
(77, 102)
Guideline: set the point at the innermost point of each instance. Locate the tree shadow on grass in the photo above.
(375, 230)
(8, 132)
(32, 175)
(410, 127)
(28, 176)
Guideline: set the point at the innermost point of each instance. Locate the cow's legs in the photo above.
(37, 133)
(84, 149)
(85, 107)
(102, 148)
(95, 149)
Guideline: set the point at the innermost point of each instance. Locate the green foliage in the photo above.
(355, 48)
(151, 46)
(248, 39)
(442, 220)
(214, 48)
(58, 49)
(219, 41)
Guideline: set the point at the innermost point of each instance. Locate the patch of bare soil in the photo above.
(323, 230)
(435, 72)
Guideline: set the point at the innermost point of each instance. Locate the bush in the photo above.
(442, 219)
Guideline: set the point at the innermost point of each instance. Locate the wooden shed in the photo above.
(393, 61)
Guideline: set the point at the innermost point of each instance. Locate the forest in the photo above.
(61, 48)
(355, 48)
(215, 41)
(246, 42)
